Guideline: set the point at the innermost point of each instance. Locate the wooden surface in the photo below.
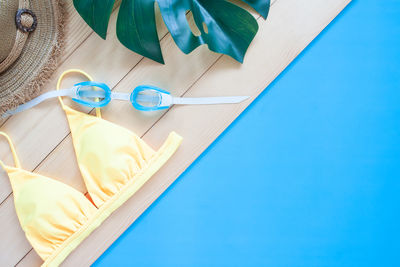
(43, 139)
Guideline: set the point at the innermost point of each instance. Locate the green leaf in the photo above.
(96, 13)
(261, 6)
(136, 28)
(224, 27)
(230, 29)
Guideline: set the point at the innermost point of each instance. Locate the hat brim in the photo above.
(22, 80)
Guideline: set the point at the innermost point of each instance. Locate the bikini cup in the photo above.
(114, 163)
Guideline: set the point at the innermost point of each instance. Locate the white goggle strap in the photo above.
(208, 100)
(120, 96)
(36, 101)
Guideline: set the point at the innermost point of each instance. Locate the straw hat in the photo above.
(30, 37)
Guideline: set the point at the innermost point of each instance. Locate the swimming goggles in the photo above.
(143, 97)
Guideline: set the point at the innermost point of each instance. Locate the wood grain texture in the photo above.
(110, 60)
(97, 61)
(288, 30)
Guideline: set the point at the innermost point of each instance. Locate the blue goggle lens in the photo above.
(147, 98)
(93, 94)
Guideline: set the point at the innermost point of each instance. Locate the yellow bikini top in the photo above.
(114, 164)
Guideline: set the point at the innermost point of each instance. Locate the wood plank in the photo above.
(110, 60)
(75, 30)
(9, 218)
(47, 166)
(297, 25)
(110, 111)
(107, 49)
(27, 129)
(206, 124)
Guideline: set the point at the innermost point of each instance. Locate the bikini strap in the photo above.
(14, 153)
(98, 112)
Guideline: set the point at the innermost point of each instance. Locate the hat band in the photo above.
(22, 33)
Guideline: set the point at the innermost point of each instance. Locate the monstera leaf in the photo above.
(224, 27)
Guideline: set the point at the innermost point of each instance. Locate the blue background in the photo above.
(307, 176)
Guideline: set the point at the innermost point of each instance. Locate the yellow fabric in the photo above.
(114, 164)
(14, 154)
(108, 160)
(48, 210)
